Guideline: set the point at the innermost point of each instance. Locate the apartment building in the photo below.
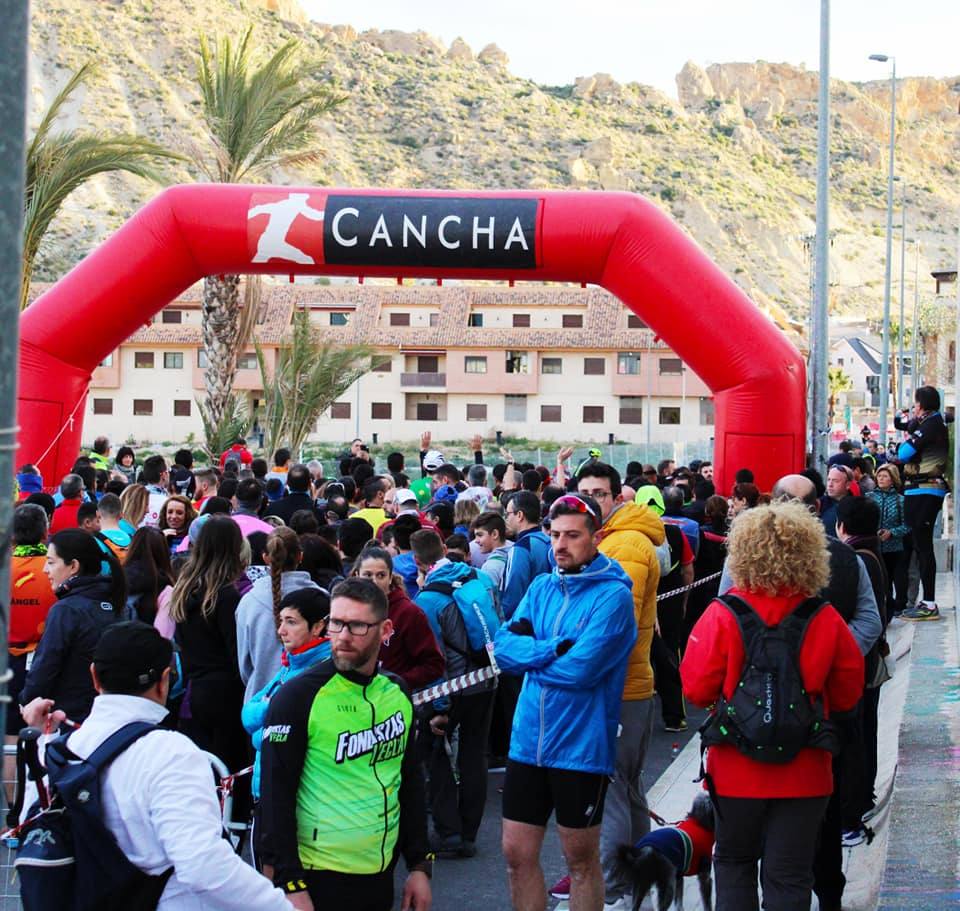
(534, 361)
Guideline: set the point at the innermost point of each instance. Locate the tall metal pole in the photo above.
(903, 289)
(885, 362)
(914, 359)
(956, 403)
(819, 348)
(14, 41)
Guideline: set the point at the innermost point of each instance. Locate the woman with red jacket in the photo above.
(411, 652)
(770, 811)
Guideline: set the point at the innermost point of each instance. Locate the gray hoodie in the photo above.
(258, 648)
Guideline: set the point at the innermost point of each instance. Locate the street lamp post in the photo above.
(903, 288)
(885, 362)
(819, 354)
(914, 355)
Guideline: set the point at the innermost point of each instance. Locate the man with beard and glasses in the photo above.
(341, 790)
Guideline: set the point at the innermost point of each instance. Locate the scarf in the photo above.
(313, 643)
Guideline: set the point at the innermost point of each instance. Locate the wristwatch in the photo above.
(425, 866)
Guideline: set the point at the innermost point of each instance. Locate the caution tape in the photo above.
(686, 588)
(465, 681)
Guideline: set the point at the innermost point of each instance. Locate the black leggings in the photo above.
(920, 513)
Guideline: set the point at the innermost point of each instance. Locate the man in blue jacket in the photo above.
(571, 635)
(530, 554)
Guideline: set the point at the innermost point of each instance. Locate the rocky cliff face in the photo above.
(733, 161)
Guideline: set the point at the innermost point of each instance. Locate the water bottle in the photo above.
(675, 751)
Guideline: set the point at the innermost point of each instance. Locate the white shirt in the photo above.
(161, 805)
(158, 496)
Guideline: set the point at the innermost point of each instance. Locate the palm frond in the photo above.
(256, 113)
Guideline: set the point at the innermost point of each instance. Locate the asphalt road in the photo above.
(480, 883)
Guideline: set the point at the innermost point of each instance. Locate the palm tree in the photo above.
(58, 163)
(258, 116)
(837, 382)
(307, 378)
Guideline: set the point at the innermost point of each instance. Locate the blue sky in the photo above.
(648, 41)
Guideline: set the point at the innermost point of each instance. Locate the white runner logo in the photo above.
(273, 241)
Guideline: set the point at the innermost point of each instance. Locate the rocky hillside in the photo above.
(734, 161)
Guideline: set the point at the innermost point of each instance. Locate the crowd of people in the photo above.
(283, 620)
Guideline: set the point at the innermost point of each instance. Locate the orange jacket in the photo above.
(31, 597)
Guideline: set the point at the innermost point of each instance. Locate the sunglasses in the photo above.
(578, 504)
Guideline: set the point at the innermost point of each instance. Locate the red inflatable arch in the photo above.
(616, 240)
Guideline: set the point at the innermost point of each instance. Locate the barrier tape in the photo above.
(686, 588)
(458, 684)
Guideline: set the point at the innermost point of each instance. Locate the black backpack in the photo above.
(770, 717)
(67, 857)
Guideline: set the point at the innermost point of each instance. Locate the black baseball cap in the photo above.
(130, 657)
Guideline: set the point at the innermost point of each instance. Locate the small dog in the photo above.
(665, 856)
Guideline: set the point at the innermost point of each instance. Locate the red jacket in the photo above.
(65, 515)
(237, 453)
(830, 664)
(411, 652)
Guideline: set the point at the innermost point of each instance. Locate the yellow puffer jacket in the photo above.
(629, 536)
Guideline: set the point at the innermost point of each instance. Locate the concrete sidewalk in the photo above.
(914, 858)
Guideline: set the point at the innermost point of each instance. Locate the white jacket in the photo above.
(161, 805)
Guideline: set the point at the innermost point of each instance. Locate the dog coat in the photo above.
(685, 845)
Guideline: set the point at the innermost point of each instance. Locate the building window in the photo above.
(340, 411)
(384, 365)
(514, 407)
(247, 361)
(399, 319)
(552, 365)
(428, 364)
(103, 406)
(628, 363)
(181, 408)
(143, 407)
(593, 414)
(428, 411)
(634, 322)
(594, 366)
(339, 319)
(631, 409)
(173, 360)
(518, 362)
(706, 411)
(474, 364)
(201, 357)
(381, 411)
(670, 415)
(434, 320)
(521, 320)
(143, 359)
(476, 412)
(572, 320)
(171, 316)
(475, 320)
(550, 414)
(107, 361)
(671, 366)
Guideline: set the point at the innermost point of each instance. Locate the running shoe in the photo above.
(853, 837)
(925, 610)
(561, 889)
(621, 904)
(675, 727)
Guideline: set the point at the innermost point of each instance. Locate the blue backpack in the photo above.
(68, 860)
(475, 596)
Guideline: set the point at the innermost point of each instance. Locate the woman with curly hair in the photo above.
(176, 515)
(771, 811)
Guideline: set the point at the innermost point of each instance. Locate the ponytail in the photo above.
(283, 554)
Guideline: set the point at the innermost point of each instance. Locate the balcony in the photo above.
(424, 380)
